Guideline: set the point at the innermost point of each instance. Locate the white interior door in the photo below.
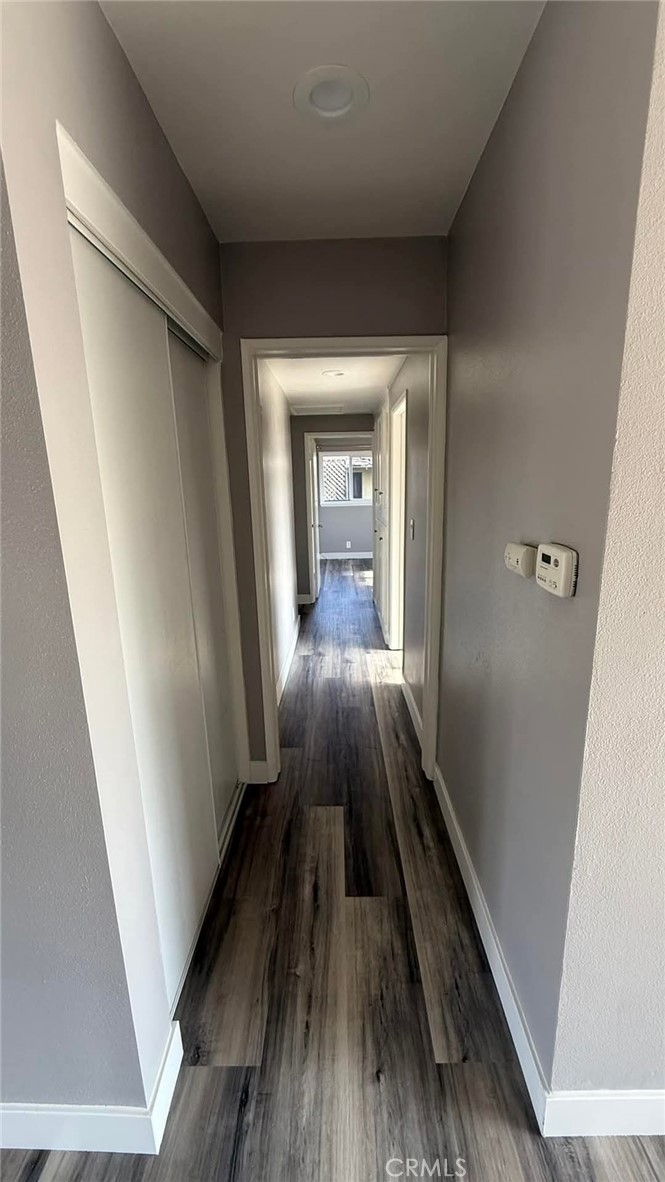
(127, 358)
(313, 498)
(397, 523)
(381, 523)
(188, 372)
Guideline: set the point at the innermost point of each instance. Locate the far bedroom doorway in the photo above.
(340, 501)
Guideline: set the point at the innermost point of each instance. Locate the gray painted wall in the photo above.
(414, 377)
(540, 257)
(300, 426)
(352, 524)
(67, 1031)
(358, 287)
(615, 939)
(67, 62)
(65, 1020)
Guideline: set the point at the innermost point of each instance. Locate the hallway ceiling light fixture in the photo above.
(331, 93)
(332, 373)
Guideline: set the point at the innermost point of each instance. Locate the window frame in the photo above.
(351, 502)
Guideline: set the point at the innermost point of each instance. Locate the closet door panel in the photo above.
(127, 358)
(193, 425)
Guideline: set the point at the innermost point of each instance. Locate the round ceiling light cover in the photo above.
(332, 373)
(331, 93)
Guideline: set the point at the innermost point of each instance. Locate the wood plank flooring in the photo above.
(339, 1011)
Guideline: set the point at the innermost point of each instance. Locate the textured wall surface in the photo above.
(615, 941)
(66, 63)
(360, 287)
(540, 259)
(63, 989)
(301, 425)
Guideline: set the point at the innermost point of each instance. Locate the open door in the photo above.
(397, 526)
(313, 518)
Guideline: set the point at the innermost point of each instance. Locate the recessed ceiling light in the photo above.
(332, 373)
(331, 93)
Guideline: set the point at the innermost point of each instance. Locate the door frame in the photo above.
(435, 347)
(310, 438)
(95, 211)
(312, 502)
(397, 523)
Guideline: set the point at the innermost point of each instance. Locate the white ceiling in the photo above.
(360, 389)
(220, 77)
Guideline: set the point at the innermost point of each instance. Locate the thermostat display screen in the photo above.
(546, 559)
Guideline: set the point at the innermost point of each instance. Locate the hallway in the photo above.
(339, 1014)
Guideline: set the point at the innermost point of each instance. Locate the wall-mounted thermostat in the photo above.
(556, 569)
(520, 559)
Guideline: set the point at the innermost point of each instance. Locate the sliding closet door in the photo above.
(126, 349)
(188, 372)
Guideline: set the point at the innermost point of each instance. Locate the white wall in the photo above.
(611, 1022)
(278, 486)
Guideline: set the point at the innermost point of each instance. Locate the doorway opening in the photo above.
(299, 397)
(340, 501)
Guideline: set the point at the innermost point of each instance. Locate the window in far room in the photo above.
(346, 479)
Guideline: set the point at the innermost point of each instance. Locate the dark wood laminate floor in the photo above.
(339, 1010)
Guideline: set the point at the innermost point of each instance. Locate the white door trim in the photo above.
(252, 350)
(396, 520)
(227, 565)
(436, 452)
(347, 554)
(96, 211)
(313, 547)
(250, 381)
(310, 438)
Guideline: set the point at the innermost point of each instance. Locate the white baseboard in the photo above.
(97, 1128)
(348, 554)
(531, 1069)
(306, 599)
(288, 660)
(638, 1113)
(164, 1088)
(559, 1113)
(384, 630)
(413, 711)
